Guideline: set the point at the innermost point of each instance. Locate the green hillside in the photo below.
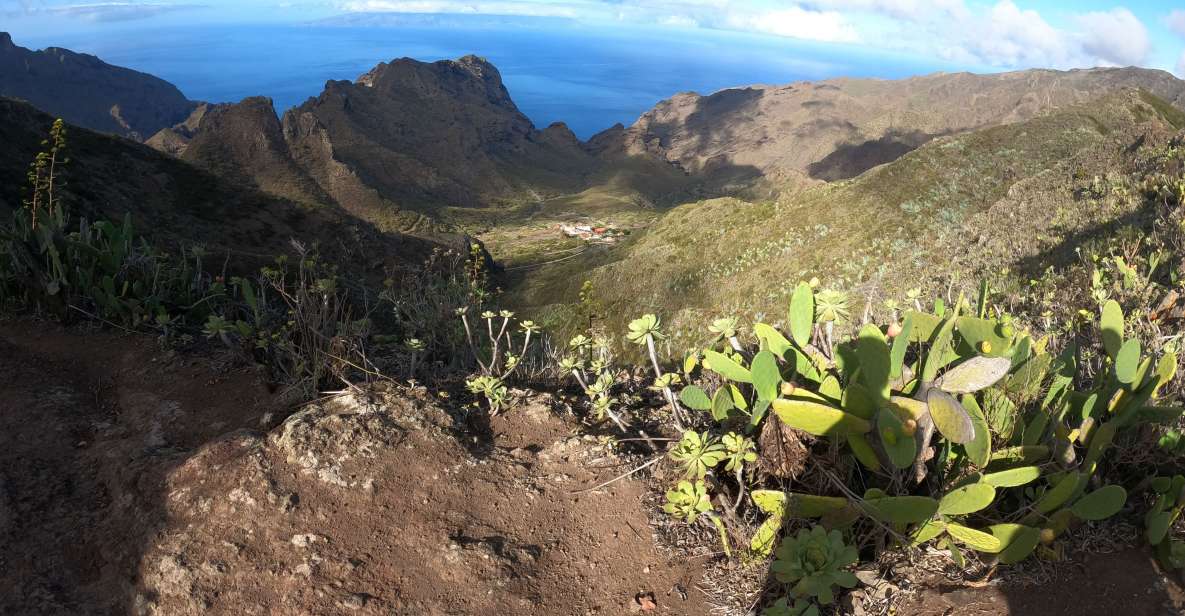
(957, 209)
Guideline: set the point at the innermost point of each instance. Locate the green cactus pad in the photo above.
(766, 377)
(903, 509)
(812, 506)
(725, 366)
(1019, 455)
(722, 404)
(694, 398)
(1112, 327)
(802, 314)
(951, 419)
(975, 539)
(1127, 362)
(898, 349)
(1057, 496)
(863, 451)
(927, 531)
(875, 367)
(979, 448)
(772, 339)
(967, 499)
(1019, 541)
(900, 448)
(1013, 477)
(857, 401)
(818, 419)
(974, 374)
(1100, 504)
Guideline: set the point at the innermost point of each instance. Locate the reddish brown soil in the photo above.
(136, 481)
(1125, 583)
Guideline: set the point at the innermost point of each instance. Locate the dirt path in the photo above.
(136, 481)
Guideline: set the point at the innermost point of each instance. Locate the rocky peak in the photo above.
(6, 41)
(469, 79)
(244, 141)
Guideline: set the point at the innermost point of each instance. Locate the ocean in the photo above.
(589, 78)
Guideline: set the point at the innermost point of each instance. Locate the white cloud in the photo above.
(101, 11)
(796, 22)
(1115, 37)
(463, 7)
(998, 33)
(678, 21)
(1176, 21)
(1012, 36)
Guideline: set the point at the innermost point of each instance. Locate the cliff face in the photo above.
(837, 129)
(243, 141)
(430, 135)
(86, 91)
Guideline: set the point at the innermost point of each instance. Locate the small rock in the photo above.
(305, 540)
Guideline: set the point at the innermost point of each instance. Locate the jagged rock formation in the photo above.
(86, 91)
(838, 128)
(430, 135)
(243, 141)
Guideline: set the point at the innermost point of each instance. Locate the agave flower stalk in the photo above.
(469, 338)
(676, 410)
(644, 331)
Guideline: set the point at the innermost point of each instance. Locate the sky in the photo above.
(992, 34)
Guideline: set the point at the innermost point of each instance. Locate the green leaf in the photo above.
(1013, 477)
(950, 418)
(975, 539)
(1157, 524)
(936, 356)
(899, 348)
(694, 398)
(766, 377)
(722, 404)
(900, 448)
(928, 531)
(772, 502)
(967, 499)
(1127, 361)
(874, 360)
(863, 451)
(802, 314)
(974, 374)
(1112, 326)
(812, 506)
(724, 366)
(1057, 496)
(773, 339)
(857, 401)
(1019, 541)
(903, 509)
(818, 419)
(979, 448)
(1100, 504)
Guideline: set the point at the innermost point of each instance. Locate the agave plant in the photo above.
(785, 607)
(698, 453)
(688, 500)
(814, 562)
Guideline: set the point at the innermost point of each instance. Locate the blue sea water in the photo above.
(589, 78)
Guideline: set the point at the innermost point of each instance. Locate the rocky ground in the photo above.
(140, 481)
(137, 481)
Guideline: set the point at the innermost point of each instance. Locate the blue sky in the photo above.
(992, 34)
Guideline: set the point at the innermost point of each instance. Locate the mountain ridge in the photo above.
(86, 91)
